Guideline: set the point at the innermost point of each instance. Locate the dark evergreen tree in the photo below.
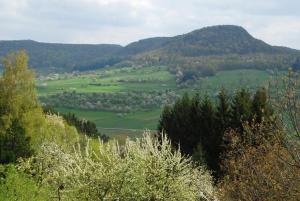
(198, 125)
(210, 139)
(296, 65)
(241, 108)
(14, 144)
(260, 110)
(223, 113)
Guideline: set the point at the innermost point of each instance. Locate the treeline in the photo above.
(115, 102)
(49, 57)
(197, 124)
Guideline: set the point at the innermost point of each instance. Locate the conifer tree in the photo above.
(241, 108)
(224, 111)
(261, 110)
(14, 143)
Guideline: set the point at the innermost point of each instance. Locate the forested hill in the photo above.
(215, 40)
(55, 57)
(206, 49)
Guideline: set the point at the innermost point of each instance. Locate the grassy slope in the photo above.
(137, 120)
(235, 79)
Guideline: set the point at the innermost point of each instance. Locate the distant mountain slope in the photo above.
(214, 48)
(218, 40)
(49, 57)
(145, 45)
(206, 49)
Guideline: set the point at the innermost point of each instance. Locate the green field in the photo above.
(141, 80)
(233, 80)
(112, 80)
(138, 120)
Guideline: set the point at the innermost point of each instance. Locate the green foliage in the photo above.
(18, 95)
(14, 144)
(296, 65)
(197, 125)
(83, 126)
(58, 131)
(241, 108)
(206, 50)
(16, 185)
(23, 126)
(114, 102)
(47, 57)
(20, 114)
(259, 167)
(145, 169)
(131, 104)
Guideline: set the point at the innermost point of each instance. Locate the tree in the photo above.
(176, 121)
(209, 138)
(14, 143)
(223, 113)
(20, 114)
(259, 167)
(17, 98)
(260, 107)
(197, 125)
(296, 65)
(286, 102)
(241, 108)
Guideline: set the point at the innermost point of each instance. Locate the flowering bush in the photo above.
(145, 169)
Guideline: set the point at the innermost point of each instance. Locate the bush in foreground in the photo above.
(16, 185)
(259, 167)
(145, 169)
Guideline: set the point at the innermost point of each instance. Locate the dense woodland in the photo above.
(116, 102)
(243, 146)
(198, 125)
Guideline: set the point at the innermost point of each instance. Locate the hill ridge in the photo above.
(211, 41)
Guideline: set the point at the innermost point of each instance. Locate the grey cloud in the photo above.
(123, 21)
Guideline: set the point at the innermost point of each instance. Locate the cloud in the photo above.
(124, 21)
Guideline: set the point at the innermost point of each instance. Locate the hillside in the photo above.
(219, 40)
(210, 49)
(203, 51)
(54, 57)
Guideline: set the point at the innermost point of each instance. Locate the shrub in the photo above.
(259, 167)
(145, 169)
(15, 185)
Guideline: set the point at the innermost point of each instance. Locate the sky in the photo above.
(277, 22)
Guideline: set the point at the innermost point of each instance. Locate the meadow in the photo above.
(143, 80)
(111, 80)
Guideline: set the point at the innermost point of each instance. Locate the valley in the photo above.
(126, 101)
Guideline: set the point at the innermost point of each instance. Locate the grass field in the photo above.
(116, 125)
(143, 80)
(138, 120)
(114, 80)
(233, 80)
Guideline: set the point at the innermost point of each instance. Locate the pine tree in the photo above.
(224, 111)
(241, 108)
(14, 144)
(260, 109)
(209, 137)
